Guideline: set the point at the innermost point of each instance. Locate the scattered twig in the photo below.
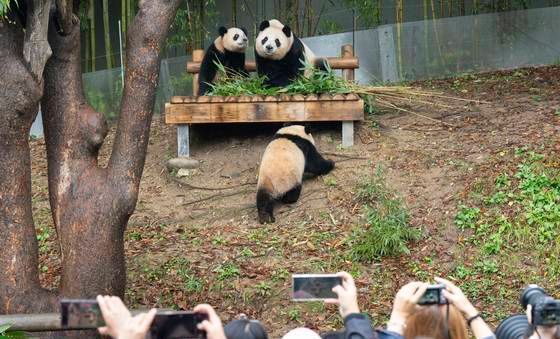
(215, 196)
(191, 186)
(344, 155)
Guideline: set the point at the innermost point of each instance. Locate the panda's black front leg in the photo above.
(316, 164)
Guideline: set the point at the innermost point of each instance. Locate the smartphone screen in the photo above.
(177, 325)
(80, 314)
(308, 287)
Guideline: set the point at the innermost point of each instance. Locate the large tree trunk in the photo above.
(90, 205)
(21, 65)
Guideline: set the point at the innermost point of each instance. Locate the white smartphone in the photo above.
(311, 287)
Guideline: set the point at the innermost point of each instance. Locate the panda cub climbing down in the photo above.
(229, 50)
(291, 153)
(279, 54)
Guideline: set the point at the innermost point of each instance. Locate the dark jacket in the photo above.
(358, 326)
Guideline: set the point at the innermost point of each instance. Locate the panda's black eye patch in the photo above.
(235, 37)
(277, 42)
(263, 41)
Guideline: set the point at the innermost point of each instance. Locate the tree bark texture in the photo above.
(20, 93)
(90, 205)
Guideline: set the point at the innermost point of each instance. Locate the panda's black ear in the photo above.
(244, 31)
(264, 25)
(287, 30)
(222, 30)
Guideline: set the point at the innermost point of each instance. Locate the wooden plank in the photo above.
(270, 98)
(264, 112)
(339, 97)
(179, 99)
(203, 99)
(197, 56)
(311, 97)
(216, 98)
(335, 63)
(325, 97)
(296, 97)
(352, 96)
(243, 98)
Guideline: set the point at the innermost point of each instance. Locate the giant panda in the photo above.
(291, 153)
(279, 54)
(229, 50)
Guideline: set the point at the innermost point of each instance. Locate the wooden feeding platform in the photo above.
(186, 110)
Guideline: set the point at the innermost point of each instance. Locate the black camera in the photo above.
(545, 311)
(433, 296)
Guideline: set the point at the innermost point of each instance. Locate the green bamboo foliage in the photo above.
(108, 54)
(123, 25)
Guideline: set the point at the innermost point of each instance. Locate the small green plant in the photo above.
(5, 334)
(329, 181)
(247, 252)
(219, 240)
(263, 289)
(294, 314)
(43, 235)
(387, 230)
(467, 217)
(4, 8)
(227, 270)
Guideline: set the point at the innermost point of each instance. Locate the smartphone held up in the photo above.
(311, 287)
(79, 314)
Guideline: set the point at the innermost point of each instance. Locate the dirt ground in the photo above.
(196, 239)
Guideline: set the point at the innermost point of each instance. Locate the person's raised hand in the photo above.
(405, 304)
(457, 298)
(347, 295)
(213, 326)
(119, 323)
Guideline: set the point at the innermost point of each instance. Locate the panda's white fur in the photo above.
(229, 50)
(234, 40)
(277, 42)
(284, 161)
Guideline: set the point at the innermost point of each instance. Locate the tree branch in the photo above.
(145, 40)
(36, 49)
(64, 16)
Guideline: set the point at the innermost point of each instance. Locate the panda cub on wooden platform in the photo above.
(279, 54)
(291, 153)
(229, 50)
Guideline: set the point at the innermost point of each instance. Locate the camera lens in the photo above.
(513, 327)
(532, 295)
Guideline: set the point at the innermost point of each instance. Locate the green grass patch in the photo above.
(511, 232)
(386, 230)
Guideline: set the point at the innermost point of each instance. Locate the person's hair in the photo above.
(437, 322)
(245, 329)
